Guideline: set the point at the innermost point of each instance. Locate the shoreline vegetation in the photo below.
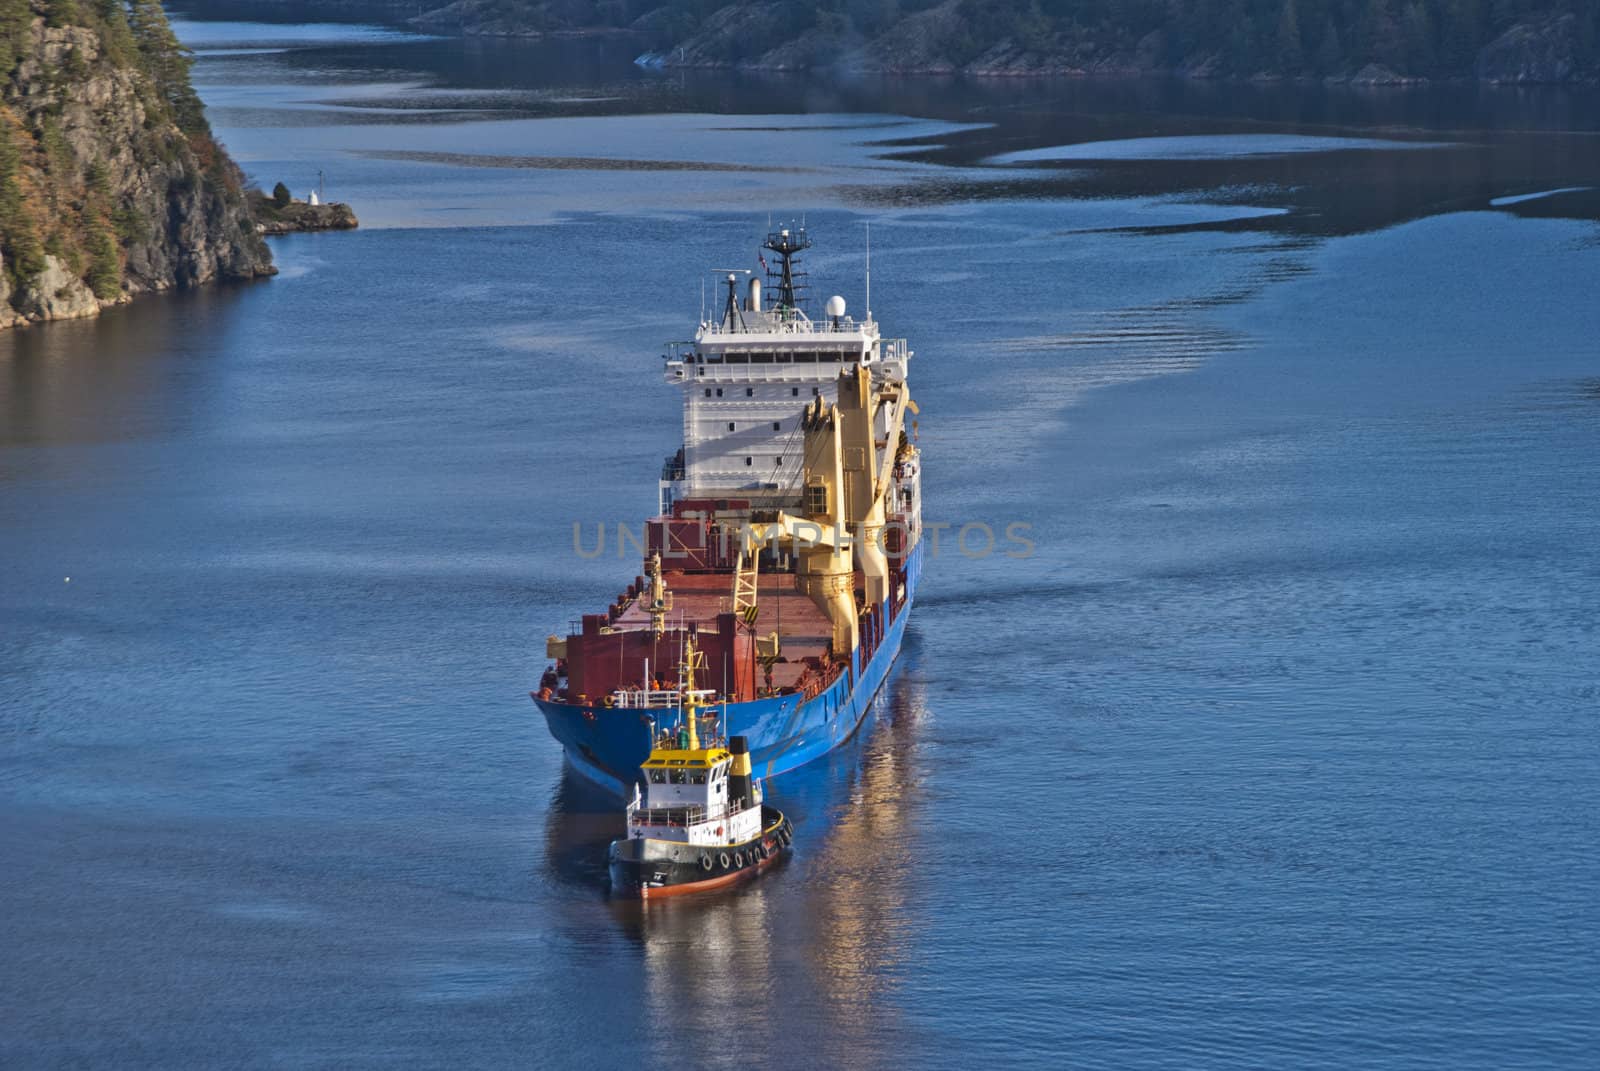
(1360, 42)
(111, 183)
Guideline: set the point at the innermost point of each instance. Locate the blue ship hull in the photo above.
(608, 744)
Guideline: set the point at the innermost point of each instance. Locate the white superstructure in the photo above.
(747, 377)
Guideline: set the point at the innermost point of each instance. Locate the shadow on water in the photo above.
(113, 377)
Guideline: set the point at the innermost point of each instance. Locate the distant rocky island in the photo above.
(111, 183)
(1361, 41)
(281, 213)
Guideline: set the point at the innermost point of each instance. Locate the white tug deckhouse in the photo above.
(700, 822)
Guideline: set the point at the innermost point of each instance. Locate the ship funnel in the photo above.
(754, 303)
(739, 790)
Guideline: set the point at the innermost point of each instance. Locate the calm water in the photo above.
(1280, 750)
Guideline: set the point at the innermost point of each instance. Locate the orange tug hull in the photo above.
(652, 870)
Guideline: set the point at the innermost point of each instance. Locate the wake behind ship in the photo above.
(788, 543)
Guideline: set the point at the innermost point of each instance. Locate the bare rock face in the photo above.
(9, 317)
(920, 43)
(738, 35)
(1533, 53)
(108, 196)
(56, 294)
(1376, 74)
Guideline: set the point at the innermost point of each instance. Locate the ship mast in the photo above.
(790, 283)
(691, 702)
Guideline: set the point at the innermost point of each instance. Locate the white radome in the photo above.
(835, 307)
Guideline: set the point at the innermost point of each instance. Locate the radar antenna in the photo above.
(730, 311)
(791, 285)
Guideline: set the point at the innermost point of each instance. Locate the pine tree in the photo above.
(167, 61)
(1291, 53)
(19, 235)
(1330, 50)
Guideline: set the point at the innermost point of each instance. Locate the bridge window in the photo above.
(794, 392)
(719, 392)
(778, 461)
(730, 425)
(749, 392)
(708, 392)
(776, 426)
(658, 777)
(698, 777)
(749, 461)
(679, 777)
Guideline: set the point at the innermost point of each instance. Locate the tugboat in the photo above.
(700, 823)
(787, 537)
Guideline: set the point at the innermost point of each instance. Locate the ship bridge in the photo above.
(748, 375)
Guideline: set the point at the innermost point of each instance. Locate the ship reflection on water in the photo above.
(816, 942)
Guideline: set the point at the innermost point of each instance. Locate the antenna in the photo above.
(730, 312)
(869, 271)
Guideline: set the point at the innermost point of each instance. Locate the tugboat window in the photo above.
(678, 777)
(658, 777)
(697, 778)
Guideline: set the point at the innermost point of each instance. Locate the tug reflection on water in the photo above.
(813, 947)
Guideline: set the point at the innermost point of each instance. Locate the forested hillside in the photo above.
(1519, 41)
(110, 181)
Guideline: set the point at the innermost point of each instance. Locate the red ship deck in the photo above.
(617, 653)
(697, 599)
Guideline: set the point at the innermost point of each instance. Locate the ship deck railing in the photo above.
(771, 321)
(687, 815)
(658, 698)
(682, 817)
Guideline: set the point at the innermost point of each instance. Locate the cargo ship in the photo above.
(787, 544)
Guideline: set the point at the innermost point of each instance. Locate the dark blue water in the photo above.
(1279, 750)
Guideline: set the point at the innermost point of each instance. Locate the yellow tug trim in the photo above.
(680, 757)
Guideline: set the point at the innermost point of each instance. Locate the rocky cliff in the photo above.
(110, 182)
